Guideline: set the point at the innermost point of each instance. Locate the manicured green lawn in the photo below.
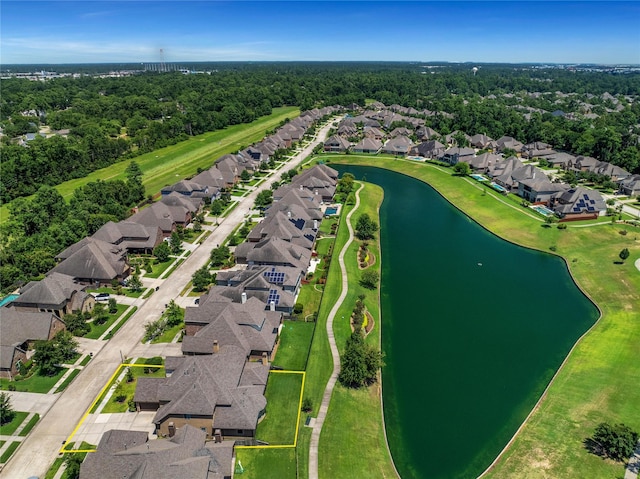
(9, 428)
(310, 296)
(159, 268)
(595, 383)
(322, 245)
(34, 384)
(283, 399)
(30, 425)
(121, 322)
(169, 334)
(128, 389)
(98, 330)
(267, 463)
(9, 451)
(67, 380)
(162, 167)
(112, 292)
(295, 342)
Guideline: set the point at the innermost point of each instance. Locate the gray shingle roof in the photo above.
(54, 290)
(16, 327)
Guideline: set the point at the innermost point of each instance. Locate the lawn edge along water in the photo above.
(160, 167)
(595, 382)
(350, 424)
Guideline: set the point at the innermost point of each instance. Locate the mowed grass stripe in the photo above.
(172, 163)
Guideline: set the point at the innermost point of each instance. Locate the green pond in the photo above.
(473, 329)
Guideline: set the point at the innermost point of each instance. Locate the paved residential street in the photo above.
(41, 447)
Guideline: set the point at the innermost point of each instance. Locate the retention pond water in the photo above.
(473, 329)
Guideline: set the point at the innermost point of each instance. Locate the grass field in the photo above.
(8, 452)
(598, 381)
(167, 165)
(283, 402)
(267, 463)
(128, 389)
(9, 428)
(33, 384)
(295, 342)
(98, 330)
(30, 425)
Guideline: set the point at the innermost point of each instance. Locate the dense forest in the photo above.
(105, 120)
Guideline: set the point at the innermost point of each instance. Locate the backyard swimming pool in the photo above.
(331, 210)
(499, 188)
(543, 210)
(8, 299)
(478, 177)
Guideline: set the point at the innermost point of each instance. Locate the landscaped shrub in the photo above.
(562, 226)
(298, 308)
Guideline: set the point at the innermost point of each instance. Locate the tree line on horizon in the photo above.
(112, 119)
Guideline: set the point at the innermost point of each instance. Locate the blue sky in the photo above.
(135, 31)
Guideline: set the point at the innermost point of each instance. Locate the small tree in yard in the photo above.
(360, 362)
(66, 345)
(135, 285)
(202, 278)
(162, 252)
(219, 255)
(6, 409)
(72, 464)
(77, 324)
(46, 357)
(245, 175)
(100, 316)
(174, 314)
(617, 441)
(370, 279)
(624, 254)
(461, 168)
(113, 306)
(175, 243)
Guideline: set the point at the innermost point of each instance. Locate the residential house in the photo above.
(57, 293)
(134, 237)
(273, 251)
(457, 154)
(279, 226)
(538, 188)
(450, 138)
(245, 322)
(424, 133)
(262, 282)
(400, 146)
(374, 133)
(584, 163)
(428, 149)
(19, 330)
(185, 454)
(212, 178)
(537, 149)
(92, 261)
(221, 394)
(612, 171)
(166, 214)
(482, 142)
(579, 203)
(400, 131)
(336, 144)
(507, 142)
(347, 130)
(367, 145)
(483, 162)
(630, 186)
(561, 159)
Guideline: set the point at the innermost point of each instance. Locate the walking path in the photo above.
(633, 468)
(326, 398)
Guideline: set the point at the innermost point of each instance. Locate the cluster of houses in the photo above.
(99, 260)
(215, 390)
(501, 160)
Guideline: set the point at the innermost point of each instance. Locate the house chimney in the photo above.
(244, 298)
(315, 224)
(265, 359)
(172, 429)
(216, 346)
(272, 306)
(289, 214)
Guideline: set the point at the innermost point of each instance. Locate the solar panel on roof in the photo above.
(585, 196)
(593, 202)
